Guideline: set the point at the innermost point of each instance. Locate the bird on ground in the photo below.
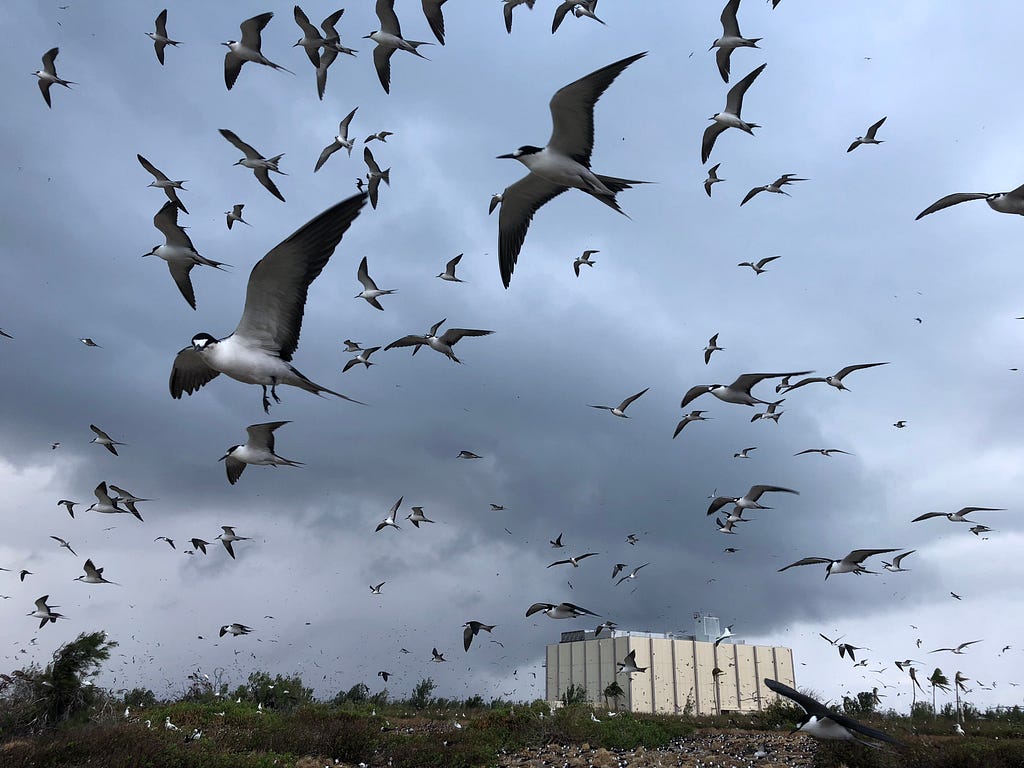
(628, 665)
(230, 536)
(375, 590)
(507, 10)
(389, 521)
(68, 505)
(363, 357)
(573, 560)
(1001, 202)
(745, 453)
(258, 449)
(868, 138)
(771, 412)
(711, 347)
(691, 416)
(179, 252)
(160, 38)
(776, 187)
(577, 9)
(45, 612)
(749, 500)
(822, 723)
(161, 181)
(417, 517)
(89, 343)
(370, 290)
(583, 260)
(389, 39)
(169, 725)
(64, 545)
(248, 49)
(759, 265)
(94, 575)
(850, 563)
(620, 409)
(836, 379)
(563, 164)
(48, 75)
(438, 657)
(727, 633)
(105, 505)
(374, 176)
(449, 270)
(260, 349)
(235, 214)
(443, 343)
(730, 116)
(822, 451)
(196, 735)
(738, 392)
(712, 178)
(102, 438)
(959, 650)
(556, 543)
(471, 629)
(339, 141)
(235, 630)
(956, 517)
(261, 166)
(559, 611)
(895, 566)
(631, 575)
(730, 40)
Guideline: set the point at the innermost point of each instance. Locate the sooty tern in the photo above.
(48, 75)
(731, 38)
(389, 39)
(235, 214)
(738, 392)
(628, 665)
(730, 116)
(161, 181)
(160, 38)
(261, 166)
(850, 563)
(442, 343)
(620, 409)
(958, 516)
(102, 438)
(507, 10)
(835, 380)
(1001, 202)
(248, 49)
(869, 137)
(471, 629)
(341, 140)
(560, 611)
(749, 500)
(257, 449)
(178, 251)
(822, 723)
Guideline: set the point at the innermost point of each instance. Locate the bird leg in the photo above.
(266, 402)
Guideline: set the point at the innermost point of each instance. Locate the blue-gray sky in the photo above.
(856, 274)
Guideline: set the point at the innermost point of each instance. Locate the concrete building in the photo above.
(685, 672)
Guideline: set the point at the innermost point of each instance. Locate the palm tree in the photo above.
(613, 691)
(913, 688)
(938, 680)
(959, 679)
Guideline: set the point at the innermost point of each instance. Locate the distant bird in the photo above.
(332, 47)
(389, 39)
(830, 641)
(235, 630)
(235, 214)
(89, 343)
(196, 735)
(956, 517)
(439, 657)
(200, 544)
(578, 8)
(628, 665)
(443, 343)
(102, 438)
(959, 650)
(574, 561)
(179, 252)
(169, 725)
(771, 412)
(745, 453)
(895, 566)
(822, 451)
(868, 138)
(23, 573)
(105, 505)
(977, 530)
(69, 505)
(738, 392)
(711, 347)
(370, 290)
(836, 379)
(449, 270)
(384, 675)
(631, 575)
(730, 116)
(469, 455)
(160, 38)
(563, 164)
(1000, 202)
(64, 545)
(472, 628)
(712, 178)
(161, 181)
(749, 500)
(230, 536)
(374, 176)
(845, 649)
(45, 612)
(363, 357)
(605, 625)
(341, 140)
(248, 49)
(758, 266)
(258, 449)
(776, 187)
(169, 541)
(691, 416)
(617, 568)
(731, 39)
(375, 590)
(822, 723)
(559, 611)
(416, 517)
(48, 75)
(261, 347)
(556, 542)
(728, 633)
(6, 335)
(620, 409)
(850, 563)
(389, 521)
(900, 424)
(381, 136)
(507, 10)
(93, 575)
(632, 539)
(352, 346)
(260, 166)
(500, 508)
(583, 260)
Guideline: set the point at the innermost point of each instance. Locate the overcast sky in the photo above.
(858, 281)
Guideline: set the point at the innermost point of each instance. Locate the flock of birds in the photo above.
(259, 351)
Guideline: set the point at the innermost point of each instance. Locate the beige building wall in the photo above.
(680, 673)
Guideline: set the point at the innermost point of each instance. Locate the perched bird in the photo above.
(574, 561)
(631, 575)
(868, 138)
(471, 629)
(370, 290)
(738, 392)
(583, 260)
(160, 38)
(731, 39)
(341, 140)
(759, 265)
(850, 563)
(559, 611)
(1000, 202)
(235, 630)
(956, 517)
(389, 521)
(389, 39)
(959, 650)
(563, 164)
(691, 416)
(363, 357)
(93, 575)
(374, 176)
(443, 343)
(449, 270)
(836, 379)
(179, 252)
(102, 438)
(48, 75)
(235, 214)
(64, 545)
(577, 8)
(620, 409)
(730, 116)
(822, 723)
(776, 187)
(895, 566)
(261, 347)
(257, 449)
(161, 181)
(248, 49)
(230, 536)
(712, 179)
(628, 665)
(749, 500)
(261, 166)
(507, 10)
(416, 517)
(711, 347)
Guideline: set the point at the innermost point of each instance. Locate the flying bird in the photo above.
(836, 379)
(261, 166)
(776, 187)
(230, 536)
(573, 560)
(559, 611)
(712, 179)
(959, 650)
(69, 505)
(711, 347)
(759, 265)
(160, 38)
(868, 138)
(102, 438)
(691, 416)
(258, 449)
(235, 214)
(260, 349)
(248, 49)
(749, 500)
(370, 290)
(449, 270)
(563, 164)
(822, 723)
(507, 10)
(583, 260)
(93, 575)
(332, 47)
(1000, 202)
(850, 563)
(472, 628)
(389, 39)
(89, 343)
(416, 517)
(628, 665)
(161, 181)
(389, 521)
(381, 136)
(64, 545)
(730, 116)
(311, 41)
(738, 392)
(432, 10)
(48, 76)
(956, 517)
(470, 455)
(620, 409)
(771, 412)
(631, 575)
(363, 357)
(443, 343)
(179, 252)
(341, 140)
(744, 453)
(374, 176)
(823, 451)
(730, 40)
(895, 566)
(576, 8)
(235, 630)
(45, 612)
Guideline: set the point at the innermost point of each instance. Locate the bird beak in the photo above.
(505, 157)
